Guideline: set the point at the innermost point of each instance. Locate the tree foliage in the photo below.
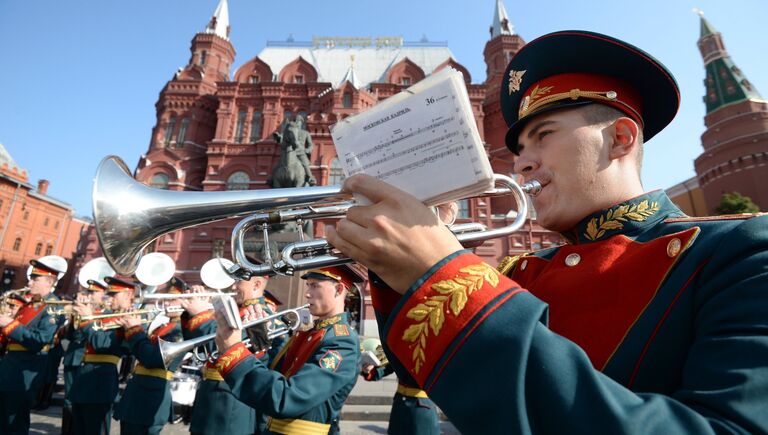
(734, 202)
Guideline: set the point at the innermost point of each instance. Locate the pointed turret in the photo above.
(736, 137)
(725, 83)
(219, 24)
(501, 24)
(350, 76)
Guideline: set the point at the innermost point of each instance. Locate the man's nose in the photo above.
(525, 164)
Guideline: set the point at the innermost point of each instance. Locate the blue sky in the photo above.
(79, 79)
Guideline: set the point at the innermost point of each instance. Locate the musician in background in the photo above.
(146, 405)
(307, 383)
(95, 385)
(647, 321)
(93, 295)
(413, 413)
(12, 305)
(30, 334)
(216, 409)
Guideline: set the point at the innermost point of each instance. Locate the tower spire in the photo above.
(725, 83)
(501, 24)
(219, 24)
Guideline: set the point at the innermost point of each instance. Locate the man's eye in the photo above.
(544, 133)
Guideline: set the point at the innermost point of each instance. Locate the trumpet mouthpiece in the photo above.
(532, 187)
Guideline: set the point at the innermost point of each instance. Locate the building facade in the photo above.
(215, 126)
(33, 224)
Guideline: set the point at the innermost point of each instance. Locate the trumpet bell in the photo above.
(128, 215)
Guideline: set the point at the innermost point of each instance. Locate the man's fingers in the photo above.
(343, 245)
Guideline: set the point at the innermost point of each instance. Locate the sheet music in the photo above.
(423, 140)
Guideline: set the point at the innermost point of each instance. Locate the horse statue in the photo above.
(295, 148)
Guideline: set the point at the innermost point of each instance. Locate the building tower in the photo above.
(736, 140)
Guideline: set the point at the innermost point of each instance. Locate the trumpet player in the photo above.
(146, 405)
(30, 333)
(216, 409)
(307, 383)
(11, 305)
(95, 384)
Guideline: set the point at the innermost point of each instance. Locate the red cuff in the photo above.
(384, 299)
(440, 309)
(10, 327)
(198, 320)
(231, 358)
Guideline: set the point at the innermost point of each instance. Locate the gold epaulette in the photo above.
(507, 265)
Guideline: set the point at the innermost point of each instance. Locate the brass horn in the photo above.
(171, 349)
(128, 215)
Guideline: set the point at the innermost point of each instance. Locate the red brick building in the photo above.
(215, 123)
(32, 224)
(735, 156)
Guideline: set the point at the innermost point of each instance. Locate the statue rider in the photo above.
(295, 133)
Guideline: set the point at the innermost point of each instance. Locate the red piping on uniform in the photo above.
(658, 325)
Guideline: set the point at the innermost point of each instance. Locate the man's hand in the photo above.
(5, 320)
(226, 337)
(367, 369)
(82, 309)
(397, 236)
(128, 322)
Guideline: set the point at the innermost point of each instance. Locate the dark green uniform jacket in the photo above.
(216, 410)
(97, 379)
(314, 374)
(147, 397)
(413, 413)
(646, 322)
(30, 336)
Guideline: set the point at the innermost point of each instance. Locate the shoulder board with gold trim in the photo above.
(725, 217)
(507, 265)
(340, 330)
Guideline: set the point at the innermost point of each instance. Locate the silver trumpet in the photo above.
(170, 350)
(129, 215)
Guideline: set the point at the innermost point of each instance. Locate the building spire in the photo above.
(725, 83)
(350, 76)
(219, 24)
(501, 24)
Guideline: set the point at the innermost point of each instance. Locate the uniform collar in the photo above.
(253, 301)
(328, 321)
(628, 217)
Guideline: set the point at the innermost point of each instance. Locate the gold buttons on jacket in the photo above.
(673, 247)
(572, 259)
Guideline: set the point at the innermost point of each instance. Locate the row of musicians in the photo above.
(299, 386)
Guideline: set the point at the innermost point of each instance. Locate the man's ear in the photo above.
(625, 136)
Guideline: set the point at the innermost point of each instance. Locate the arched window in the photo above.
(38, 248)
(49, 250)
(182, 133)
(169, 129)
(464, 211)
(347, 100)
(238, 181)
(203, 55)
(255, 127)
(17, 244)
(336, 175)
(240, 126)
(159, 181)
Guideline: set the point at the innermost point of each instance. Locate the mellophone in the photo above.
(124, 232)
